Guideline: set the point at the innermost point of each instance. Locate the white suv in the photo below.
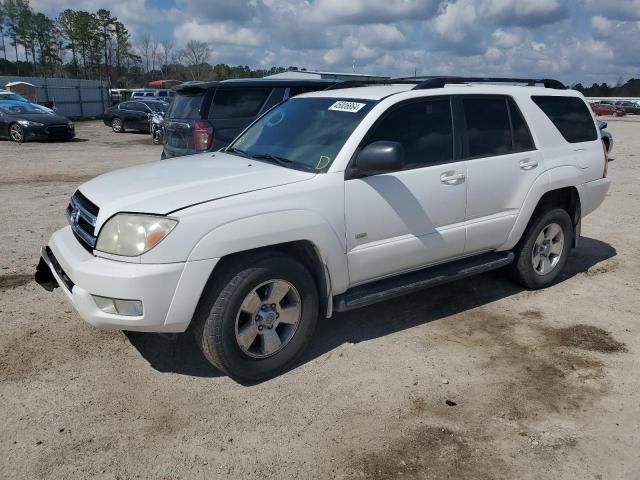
(330, 201)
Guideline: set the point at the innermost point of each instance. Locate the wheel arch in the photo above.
(566, 197)
(304, 251)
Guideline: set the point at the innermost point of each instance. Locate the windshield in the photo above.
(23, 108)
(12, 96)
(304, 132)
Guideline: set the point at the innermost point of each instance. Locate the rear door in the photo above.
(234, 108)
(502, 164)
(180, 120)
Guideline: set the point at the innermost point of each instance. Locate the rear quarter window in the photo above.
(570, 115)
(238, 102)
(186, 106)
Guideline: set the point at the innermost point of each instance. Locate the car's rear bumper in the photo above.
(169, 292)
(592, 194)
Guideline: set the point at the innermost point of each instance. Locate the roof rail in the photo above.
(439, 82)
(365, 83)
(428, 82)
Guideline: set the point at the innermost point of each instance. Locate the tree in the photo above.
(106, 25)
(2, 29)
(167, 47)
(145, 50)
(195, 56)
(66, 24)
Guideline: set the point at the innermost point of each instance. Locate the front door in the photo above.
(404, 220)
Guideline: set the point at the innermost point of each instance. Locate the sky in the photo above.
(572, 40)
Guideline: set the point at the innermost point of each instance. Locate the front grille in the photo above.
(58, 130)
(82, 214)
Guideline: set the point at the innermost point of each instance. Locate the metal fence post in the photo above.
(80, 99)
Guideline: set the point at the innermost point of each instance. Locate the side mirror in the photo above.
(602, 125)
(379, 157)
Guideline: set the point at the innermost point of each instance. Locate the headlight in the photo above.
(27, 123)
(71, 125)
(131, 235)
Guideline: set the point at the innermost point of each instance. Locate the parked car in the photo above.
(607, 138)
(331, 201)
(607, 109)
(132, 115)
(21, 121)
(7, 95)
(159, 94)
(207, 116)
(628, 107)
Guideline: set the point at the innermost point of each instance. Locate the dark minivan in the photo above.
(207, 116)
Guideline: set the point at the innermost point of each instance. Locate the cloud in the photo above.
(574, 40)
(217, 34)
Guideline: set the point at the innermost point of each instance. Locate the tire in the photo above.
(16, 133)
(605, 141)
(551, 234)
(229, 316)
(117, 125)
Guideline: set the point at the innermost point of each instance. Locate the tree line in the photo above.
(631, 88)
(97, 46)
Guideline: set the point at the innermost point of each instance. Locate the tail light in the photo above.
(606, 160)
(203, 135)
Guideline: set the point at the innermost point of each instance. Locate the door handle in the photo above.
(452, 178)
(528, 164)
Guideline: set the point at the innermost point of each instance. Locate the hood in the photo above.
(169, 185)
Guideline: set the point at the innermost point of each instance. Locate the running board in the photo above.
(399, 285)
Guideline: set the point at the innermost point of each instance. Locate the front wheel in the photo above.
(16, 132)
(257, 317)
(542, 253)
(117, 125)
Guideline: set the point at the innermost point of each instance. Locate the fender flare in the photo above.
(250, 233)
(554, 179)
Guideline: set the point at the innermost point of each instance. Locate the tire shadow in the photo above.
(181, 354)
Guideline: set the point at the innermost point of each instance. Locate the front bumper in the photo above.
(47, 132)
(169, 292)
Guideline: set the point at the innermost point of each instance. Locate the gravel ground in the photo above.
(540, 385)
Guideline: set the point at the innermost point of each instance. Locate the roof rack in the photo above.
(439, 82)
(423, 83)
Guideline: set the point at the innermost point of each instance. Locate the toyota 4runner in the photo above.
(331, 201)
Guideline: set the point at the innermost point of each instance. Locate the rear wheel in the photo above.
(16, 132)
(542, 253)
(257, 316)
(117, 125)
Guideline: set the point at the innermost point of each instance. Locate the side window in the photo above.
(488, 126)
(522, 140)
(571, 117)
(293, 91)
(125, 106)
(424, 128)
(139, 107)
(276, 97)
(238, 102)
(162, 93)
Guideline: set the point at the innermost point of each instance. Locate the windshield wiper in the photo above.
(282, 161)
(285, 162)
(237, 151)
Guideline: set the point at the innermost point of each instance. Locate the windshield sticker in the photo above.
(343, 106)
(323, 162)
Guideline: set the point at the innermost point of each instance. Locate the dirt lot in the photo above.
(545, 384)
